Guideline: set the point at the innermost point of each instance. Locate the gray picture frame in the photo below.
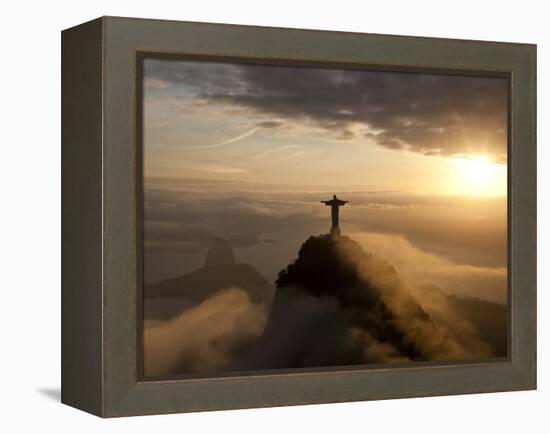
(101, 256)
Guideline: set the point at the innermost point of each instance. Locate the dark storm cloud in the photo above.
(426, 113)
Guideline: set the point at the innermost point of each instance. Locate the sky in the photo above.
(247, 152)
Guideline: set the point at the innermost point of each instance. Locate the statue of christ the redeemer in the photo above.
(334, 204)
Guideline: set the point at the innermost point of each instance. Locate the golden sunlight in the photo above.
(480, 177)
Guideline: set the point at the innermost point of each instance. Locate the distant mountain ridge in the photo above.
(220, 271)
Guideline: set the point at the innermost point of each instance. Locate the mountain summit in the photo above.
(358, 303)
(220, 254)
(220, 271)
(338, 267)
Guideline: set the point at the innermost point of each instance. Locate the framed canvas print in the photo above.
(260, 217)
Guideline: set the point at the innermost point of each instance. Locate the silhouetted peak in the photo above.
(220, 254)
(328, 265)
(320, 263)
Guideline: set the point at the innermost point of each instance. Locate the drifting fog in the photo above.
(203, 338)
(383, 319)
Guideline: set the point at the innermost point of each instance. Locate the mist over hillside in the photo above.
(334, 305)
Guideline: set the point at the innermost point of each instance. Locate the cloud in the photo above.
(198, 77)
(150, 82)
(451, 338)
(426, 268)
(205, 337)
(245, 240)
(469, 231)
(460, 242)
(336, 305)
(432, 114)
(270, 124)
(287, 151)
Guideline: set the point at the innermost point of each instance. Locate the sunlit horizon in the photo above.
(247, 251)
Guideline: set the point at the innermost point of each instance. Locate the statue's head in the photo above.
(334, 196)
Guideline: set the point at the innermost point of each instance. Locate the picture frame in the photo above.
(102, 231)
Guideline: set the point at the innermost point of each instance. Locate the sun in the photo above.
(479, 176)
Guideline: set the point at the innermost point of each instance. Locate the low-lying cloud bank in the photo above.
(203, 338)
(428, 269)
(335, 305)
(456, 243)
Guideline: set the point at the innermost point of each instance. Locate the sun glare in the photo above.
(479, 176)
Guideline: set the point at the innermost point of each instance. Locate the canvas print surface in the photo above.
(305, 217)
